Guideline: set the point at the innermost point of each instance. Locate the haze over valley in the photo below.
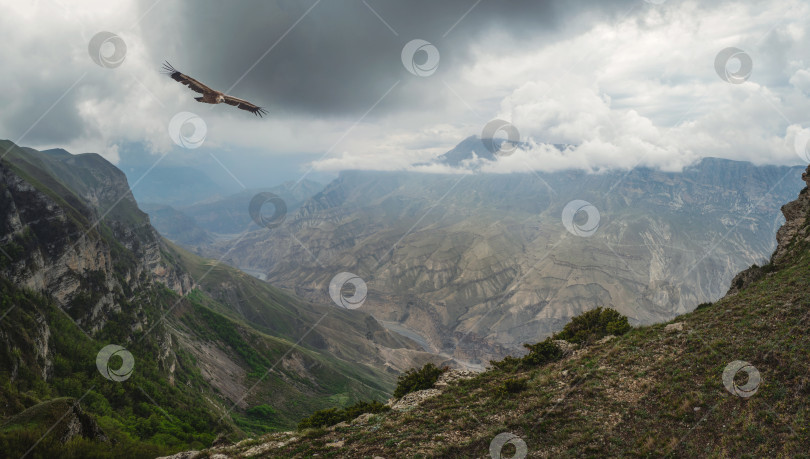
(476, 265)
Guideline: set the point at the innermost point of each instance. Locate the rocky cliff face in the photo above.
(795, 229)
(60, 249)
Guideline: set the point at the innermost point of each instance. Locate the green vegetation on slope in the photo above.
(585, 328)
(332, 416)
(593, 325)
(418, 379)
(123, 410)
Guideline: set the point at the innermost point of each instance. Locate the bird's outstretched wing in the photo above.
(245, 105)
(195, 85)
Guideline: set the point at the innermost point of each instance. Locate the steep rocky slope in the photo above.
(56, 208)
(474, 265)
(729, 379)
(214, 350)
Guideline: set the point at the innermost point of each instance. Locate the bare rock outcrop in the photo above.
(413, 399)
(795, 227)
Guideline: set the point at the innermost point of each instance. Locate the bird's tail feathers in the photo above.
(168, 69)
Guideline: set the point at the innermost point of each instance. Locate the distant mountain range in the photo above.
(174, 185)
(477, 264)
(201, 223)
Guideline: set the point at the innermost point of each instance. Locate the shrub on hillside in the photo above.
(421, 379)
(583, 329)
(332, 416)
(593, 325)
(513, 386)
(508, 363)
(321, 418)
(541, 353)
(363, 407)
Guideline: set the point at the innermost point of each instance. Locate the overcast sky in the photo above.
(628, 82)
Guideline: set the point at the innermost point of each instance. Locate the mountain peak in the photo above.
(467, 149)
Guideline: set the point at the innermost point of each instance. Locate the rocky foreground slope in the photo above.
(729, 379)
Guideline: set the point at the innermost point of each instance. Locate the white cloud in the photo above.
(801, 80)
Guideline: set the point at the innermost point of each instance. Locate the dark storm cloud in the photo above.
(341, 57)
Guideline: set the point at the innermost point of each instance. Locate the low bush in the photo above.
(421, 379)
(583, 329)
(332, 416)
(513, 386)
(594, 325)
(541, 353)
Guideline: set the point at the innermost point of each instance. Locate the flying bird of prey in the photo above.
(211, 96)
